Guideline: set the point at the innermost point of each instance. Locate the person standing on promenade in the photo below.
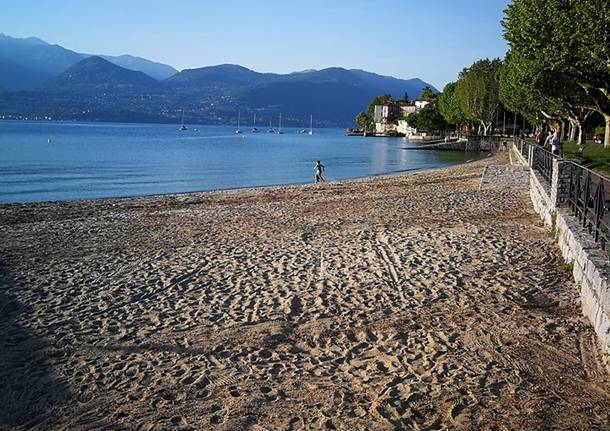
(543, 137)
(555, 144)
(548, 141)
(318, 171)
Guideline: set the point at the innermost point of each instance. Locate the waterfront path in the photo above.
(420, 301)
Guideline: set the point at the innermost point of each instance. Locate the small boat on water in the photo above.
(311, 124)
(271, 129)
(279, 127)
(254, 129)
(238, 131)
(183, 126)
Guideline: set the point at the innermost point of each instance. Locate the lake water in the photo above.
(93, 160)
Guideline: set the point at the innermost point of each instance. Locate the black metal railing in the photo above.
(585, 192)
(542, 161)
(589, 200)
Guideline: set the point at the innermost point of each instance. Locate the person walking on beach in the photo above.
(318, 171)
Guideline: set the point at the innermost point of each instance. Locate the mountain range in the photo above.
(40, 80)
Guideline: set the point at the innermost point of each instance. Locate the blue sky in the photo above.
(429, 39)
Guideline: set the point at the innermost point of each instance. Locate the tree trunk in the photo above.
(486, 127)
(572, 129)
(607, 134)
(515, 125)
(579, 138)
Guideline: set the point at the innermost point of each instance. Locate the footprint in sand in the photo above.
(268, 393)
(234, 392)
(85, 394)
(219, 415)
(203, 394)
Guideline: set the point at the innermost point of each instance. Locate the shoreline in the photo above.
(236, 189)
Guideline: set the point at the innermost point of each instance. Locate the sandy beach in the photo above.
(414, 301)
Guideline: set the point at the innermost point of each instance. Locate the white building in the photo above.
(387, 110)
(404, 128)
(421, 104)
(382, 112)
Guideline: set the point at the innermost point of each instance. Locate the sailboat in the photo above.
(238, 131)
(279, 127)
(254, 129)
(183, 126)
(311, 124)
(271, 129)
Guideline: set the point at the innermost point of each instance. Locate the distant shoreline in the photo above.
(190, 125)
(269, 187)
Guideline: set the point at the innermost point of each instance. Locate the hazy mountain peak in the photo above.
(28, 40)
(154, 69)
(95, 70)
(120, 88)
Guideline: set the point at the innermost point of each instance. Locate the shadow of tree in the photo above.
(28, 388)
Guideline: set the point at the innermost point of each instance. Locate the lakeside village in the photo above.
(420, 119)
(386, 117)
(390, 118)
(435, 116)
(483, 102)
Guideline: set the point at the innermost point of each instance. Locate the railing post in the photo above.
(530, 156)
(560, 183)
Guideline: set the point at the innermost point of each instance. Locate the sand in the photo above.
(411, 302)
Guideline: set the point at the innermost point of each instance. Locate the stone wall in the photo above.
(591, 267)
(474, 143)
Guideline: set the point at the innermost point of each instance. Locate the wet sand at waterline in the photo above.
(413, 301)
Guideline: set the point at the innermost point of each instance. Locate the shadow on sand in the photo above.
(28, 389)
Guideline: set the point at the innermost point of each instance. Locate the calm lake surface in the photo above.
(94, 160)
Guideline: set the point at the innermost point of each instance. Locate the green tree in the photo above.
(429, 119)
(478, 92)
(449, 105)
(564, 47)
(427, 93)
(362, 120)
(412, 120)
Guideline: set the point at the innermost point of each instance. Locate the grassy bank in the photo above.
(593, 156)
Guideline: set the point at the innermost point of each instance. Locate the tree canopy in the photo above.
(449, 105)
(428, 119)
(558, 64)
(427, 93)
(363, 120)
(477, 90)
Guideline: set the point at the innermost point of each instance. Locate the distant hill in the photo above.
(223, 74)
(43, 80)
(17, 78)
(334, 95)
(37, 55)
(39, 61)
(394, 86)
(330, 102)
(97, 72)
(156, 70)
